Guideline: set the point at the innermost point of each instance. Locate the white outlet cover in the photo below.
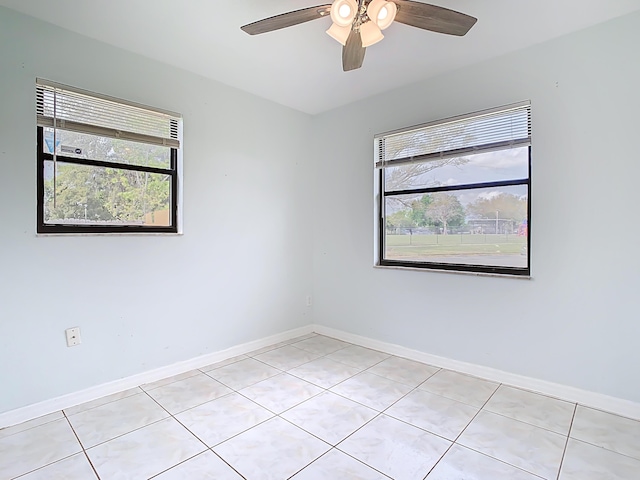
(73, 336)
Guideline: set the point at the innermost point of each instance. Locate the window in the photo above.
(104, 165)
(455, 194)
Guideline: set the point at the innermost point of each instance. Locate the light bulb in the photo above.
(382, 13)
(343, 12)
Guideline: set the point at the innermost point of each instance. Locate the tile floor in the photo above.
(318, 408)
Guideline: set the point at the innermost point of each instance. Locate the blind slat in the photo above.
(107, 132)
(491, 130)
(82, 112)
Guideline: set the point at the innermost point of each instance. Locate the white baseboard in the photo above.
(13, 417)
(598, 401)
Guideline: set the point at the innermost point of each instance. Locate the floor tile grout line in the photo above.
(444, 396)
(21, 475)
(207, 447)
(171, 415)
(409, 392)
(416, 426)
(461, 432)
(312, 461)
(177, 464)
(235, 390)
(360, 366)
(402, 383)
(273, 415)
(380, 376)
(327, 356)
(342, 381)
(321, 386)
(126, 433)
(490, 456)
(235, 434)
(84, 450)
(527, 390)
(378, 413)
(103, 404)
(307, 431)
(344, 453)
(527, 423)
(293, 406)
(605, 449)
(566, 444)
(195, 371)
(355, 401)
(499, 461)
(364, 463)
(222, 361)
(636, 420)
(230, 466)
(29, 428)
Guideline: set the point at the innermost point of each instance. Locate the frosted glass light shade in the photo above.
(370, 34)
(382, 13)
(343, 12)
(338, 33)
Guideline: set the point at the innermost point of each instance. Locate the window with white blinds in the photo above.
(105, 165)
(454, 194)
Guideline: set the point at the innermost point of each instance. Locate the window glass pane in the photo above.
(487, 227)
(82, 145)
(511, 164)
(87, 195)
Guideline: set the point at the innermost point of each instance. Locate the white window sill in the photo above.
(112, 234)
(458, 272)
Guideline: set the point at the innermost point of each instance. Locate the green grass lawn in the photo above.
(428, 245)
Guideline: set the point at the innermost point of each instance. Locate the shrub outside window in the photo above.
(104, 165)
(455, 194)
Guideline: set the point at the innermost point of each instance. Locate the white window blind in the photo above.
(76, 110)
(490, 130)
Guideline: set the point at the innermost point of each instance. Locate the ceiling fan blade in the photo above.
(287, 19)
(431, 17)
(353, 52)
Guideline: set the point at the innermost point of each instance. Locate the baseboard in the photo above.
(587, 398)
(599, 401)
(13, 417)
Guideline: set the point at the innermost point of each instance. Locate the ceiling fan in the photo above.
(358, 24)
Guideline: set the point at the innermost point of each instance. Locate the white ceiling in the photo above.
(301, 66)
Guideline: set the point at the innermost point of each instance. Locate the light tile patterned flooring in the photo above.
(318, 408)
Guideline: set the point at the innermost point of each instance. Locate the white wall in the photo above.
(241, 271)
(576, 321)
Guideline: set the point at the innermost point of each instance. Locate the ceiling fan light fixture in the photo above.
(343, 12)
(370, 34)
(382, 13)
(338, 33)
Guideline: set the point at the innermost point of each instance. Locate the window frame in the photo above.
(57, 228)
(382, 195)
(173, 171)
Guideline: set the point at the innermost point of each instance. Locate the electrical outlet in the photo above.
(309, 301)
(73, 336)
